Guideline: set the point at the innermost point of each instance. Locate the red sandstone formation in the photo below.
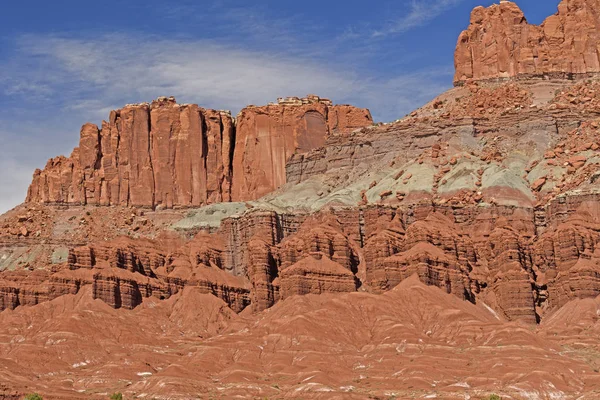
(567, 257)
(123, 272)
(158, 154)
(165, 154)
(430, 248)
(390, 247)
(316, 274)
(319, 258)
(500, 43)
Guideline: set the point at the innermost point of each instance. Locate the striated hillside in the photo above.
(301, 251)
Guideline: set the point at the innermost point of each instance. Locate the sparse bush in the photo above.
(494, 397)
(33, 396)
(116, 396)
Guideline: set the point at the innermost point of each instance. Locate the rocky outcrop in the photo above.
(499, 43)
(21, 288)
(511, 278)
(317, 237)
(267, 137)
(318, 259)
(567, 257)
(316, 274)
(125, 271)
(261, 257)
(164, 154)
(433, 248)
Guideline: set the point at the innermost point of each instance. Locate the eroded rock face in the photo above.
(124, 271)
(488, 254)
(433, 248)
(567, 257)
(316, 274)
(500, 43)
(147, 155)
(267, 137)
(319, 258)
(511, 276)
(165, 154)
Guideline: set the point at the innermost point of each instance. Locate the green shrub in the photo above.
(116, 396)
(33, 396)
(494, 397)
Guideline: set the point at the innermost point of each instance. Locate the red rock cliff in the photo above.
(268, 136)
(155, 154)
(500, 43)
(166, 154)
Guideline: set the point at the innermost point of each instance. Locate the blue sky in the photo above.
(66, 62)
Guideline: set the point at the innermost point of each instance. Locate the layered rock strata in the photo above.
(432, 248)
(520, 262)
(267, 137)
(123, 272)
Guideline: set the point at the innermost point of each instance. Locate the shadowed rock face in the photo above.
(165, 154)
(500, 43)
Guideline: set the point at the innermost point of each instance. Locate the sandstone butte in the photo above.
(301, 251)
(164, 154)
(500, 43)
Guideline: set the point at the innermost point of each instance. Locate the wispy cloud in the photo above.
(396, 96)
(99, 73)
(419, 14)
(253, 24)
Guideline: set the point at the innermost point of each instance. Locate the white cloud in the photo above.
(399, 95)
(13, 183)
(419, 14)
(26, 143)
(128, 68)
